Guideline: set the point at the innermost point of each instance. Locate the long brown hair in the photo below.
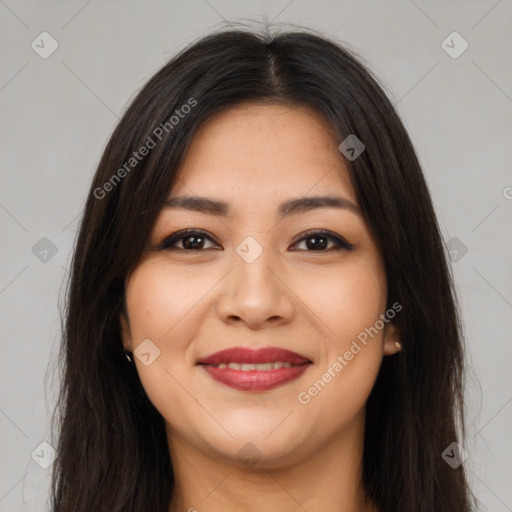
(112, 447)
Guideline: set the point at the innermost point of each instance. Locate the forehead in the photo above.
(261, 149)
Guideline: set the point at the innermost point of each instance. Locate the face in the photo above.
(307, 317)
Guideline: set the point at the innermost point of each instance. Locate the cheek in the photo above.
(157, 305)
(345, 301)
(339, 302)
(333, 304)
(161, 305)
(350, 302)
(161, 301)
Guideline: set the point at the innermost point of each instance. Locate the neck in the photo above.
(328, 480)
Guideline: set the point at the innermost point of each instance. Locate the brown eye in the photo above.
(318, 241)
(196, 240)
(190, 240)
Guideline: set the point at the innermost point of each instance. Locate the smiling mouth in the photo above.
(247, 369)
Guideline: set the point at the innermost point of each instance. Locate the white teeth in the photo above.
(252, 366)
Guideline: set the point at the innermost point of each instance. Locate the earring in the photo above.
(398, 346)
(128, 356)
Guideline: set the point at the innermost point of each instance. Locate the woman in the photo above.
(261, 315)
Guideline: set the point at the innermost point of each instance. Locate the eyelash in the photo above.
(340, 243)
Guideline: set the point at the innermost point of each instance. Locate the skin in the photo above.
(192, 303)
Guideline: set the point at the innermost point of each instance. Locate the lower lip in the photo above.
(254, 380)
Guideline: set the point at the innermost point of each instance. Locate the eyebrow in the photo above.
(290, 207)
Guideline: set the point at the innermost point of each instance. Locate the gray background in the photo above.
(58, 112)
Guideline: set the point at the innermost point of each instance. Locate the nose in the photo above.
(256, 294)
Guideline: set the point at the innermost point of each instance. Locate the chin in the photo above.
(261, 454)
(260, 444)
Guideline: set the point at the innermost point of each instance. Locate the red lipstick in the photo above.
(248, 369)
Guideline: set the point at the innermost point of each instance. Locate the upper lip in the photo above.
(255, 356)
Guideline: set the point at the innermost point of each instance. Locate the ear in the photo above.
(390, 337)
(125, 332)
